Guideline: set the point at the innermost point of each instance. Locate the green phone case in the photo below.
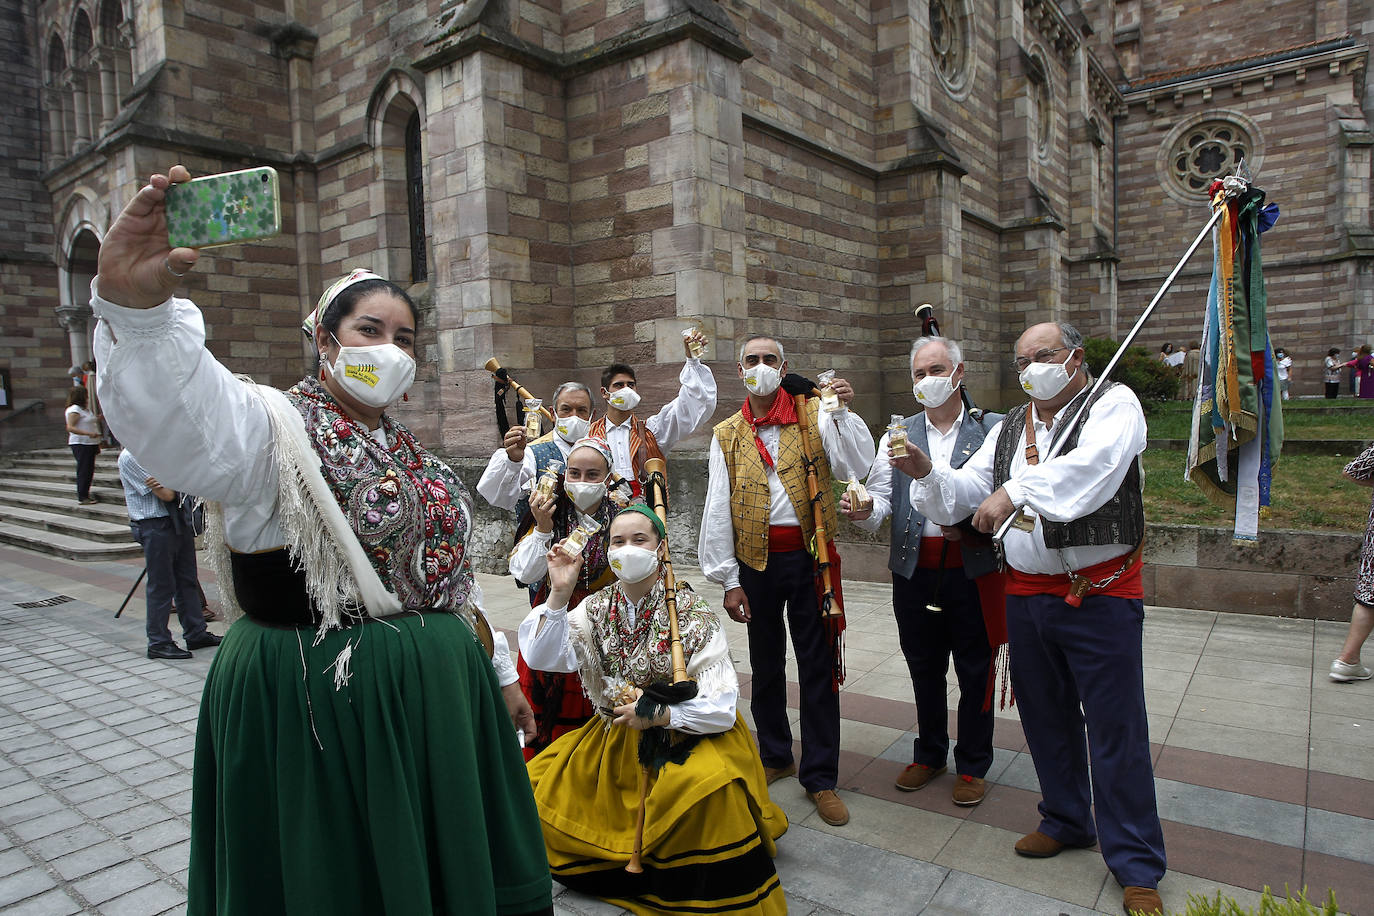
(224, 209)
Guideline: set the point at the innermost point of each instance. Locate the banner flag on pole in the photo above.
(1237, 429)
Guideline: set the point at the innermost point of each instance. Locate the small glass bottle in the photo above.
(532, 427)
(548, 481)
(859, 500)
(576, 540)
(695, 346)
(896, 436)
(830, 401)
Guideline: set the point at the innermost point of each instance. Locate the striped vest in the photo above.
(749, 495)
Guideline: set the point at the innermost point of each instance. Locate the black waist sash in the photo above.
(271, 590)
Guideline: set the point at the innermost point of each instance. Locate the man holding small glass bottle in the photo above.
(946, 591)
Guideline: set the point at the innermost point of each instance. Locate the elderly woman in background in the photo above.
(354, 753)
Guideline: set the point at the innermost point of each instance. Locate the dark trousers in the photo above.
(85, 468)
(788, 582)
(1333, 389)
(171, 560)
(928, 639)
(1062, 656)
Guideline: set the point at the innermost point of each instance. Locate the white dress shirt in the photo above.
(551, 649)
(197, 428)
(677, 419)
(1070, 486)
(529, 561)
(848, 449)
(941, 448)
(505, 481)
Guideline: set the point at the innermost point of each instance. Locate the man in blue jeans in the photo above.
(160, 521)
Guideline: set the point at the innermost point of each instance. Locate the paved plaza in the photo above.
(1264, 768)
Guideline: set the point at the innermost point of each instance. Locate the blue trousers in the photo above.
(171, 560)
(928, 640)
(1062, 658)
(788, 583)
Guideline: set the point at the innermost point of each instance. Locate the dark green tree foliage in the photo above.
(1139, 370)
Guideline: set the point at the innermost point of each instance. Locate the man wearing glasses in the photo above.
(1075, 603)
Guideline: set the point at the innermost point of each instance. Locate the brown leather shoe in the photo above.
(773, 774)
(968, 790)
(1036, 845)
(830, 807)
(1140, 900)
(916, 775)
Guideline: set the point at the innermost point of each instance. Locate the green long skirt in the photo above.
(402, 792)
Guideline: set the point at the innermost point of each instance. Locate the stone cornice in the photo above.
(455, 38)
(929, 150)
(1101, 89)
(1344, 53)
(1054, 26)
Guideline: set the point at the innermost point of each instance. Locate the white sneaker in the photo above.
(1342, 672)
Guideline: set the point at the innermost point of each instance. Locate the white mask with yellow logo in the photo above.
(376, 376)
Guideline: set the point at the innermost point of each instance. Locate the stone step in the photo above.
(91, 529)
(48, 497)
(64, 545)
(104, 477)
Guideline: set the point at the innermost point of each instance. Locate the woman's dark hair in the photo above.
(76, 395)
(1364, 350)
(342, 305)
(1333, 351)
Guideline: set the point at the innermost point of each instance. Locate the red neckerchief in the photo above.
(781, 413)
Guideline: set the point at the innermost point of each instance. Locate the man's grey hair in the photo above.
(956, 355)
(782, 356)
(1071, 336)
(578, 386)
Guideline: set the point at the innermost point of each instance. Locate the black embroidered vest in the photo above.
(1120, 520)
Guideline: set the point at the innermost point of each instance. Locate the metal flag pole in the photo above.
(1234, 186)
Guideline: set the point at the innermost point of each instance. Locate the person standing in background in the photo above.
(83, 435)
(161, 523)
(1331, 373)
(1283, 365)
(1346, 666)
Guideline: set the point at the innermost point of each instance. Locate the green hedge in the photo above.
(1139, 370)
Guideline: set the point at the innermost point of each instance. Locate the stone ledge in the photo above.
(1310, 575)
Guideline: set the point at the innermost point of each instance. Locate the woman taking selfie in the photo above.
(354, 753)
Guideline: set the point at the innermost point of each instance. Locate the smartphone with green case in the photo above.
(225, 209)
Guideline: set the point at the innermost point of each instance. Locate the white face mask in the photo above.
(762, 379)
(585, 496)
(934, 390)
(571, 428)
(632, 564)
(623, 398)
(376, 375)
(1043, 381)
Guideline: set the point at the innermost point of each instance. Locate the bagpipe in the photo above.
(658, 745)
(503, 383)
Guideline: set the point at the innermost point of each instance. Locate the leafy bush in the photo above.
(1268, 906)
(1152, 381)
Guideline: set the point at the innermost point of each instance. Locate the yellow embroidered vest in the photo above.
(749, 496)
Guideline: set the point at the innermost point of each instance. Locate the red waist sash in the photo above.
(1127, 585)
(931, 548)
(785, 538)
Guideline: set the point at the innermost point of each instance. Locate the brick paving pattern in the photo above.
(1263, 767)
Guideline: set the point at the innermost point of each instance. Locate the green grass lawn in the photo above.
(1302, 420)
(1309, 493)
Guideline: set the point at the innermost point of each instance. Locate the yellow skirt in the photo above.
(709, 826)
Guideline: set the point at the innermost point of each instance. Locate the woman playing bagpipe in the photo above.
(707, 827)
(579, 500)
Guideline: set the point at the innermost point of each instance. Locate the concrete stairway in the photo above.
(39, 511)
